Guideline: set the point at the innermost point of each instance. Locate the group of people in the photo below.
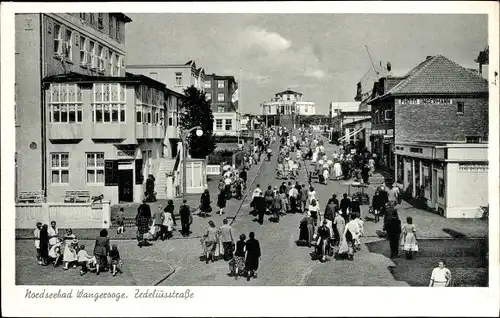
(52, 248)
(243, 255)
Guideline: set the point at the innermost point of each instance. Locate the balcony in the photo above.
(158, 132)
(173, 132)
(109, 131)
(65, 131)
(143, 131)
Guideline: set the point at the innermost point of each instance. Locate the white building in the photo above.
(286, 103)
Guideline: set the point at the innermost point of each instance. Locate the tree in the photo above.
(197, 112)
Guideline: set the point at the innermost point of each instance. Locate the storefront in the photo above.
(452, 179)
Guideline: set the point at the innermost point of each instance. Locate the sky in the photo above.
(322, 56)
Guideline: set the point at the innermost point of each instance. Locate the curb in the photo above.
(166, 276)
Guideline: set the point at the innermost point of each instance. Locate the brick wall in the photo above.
(441, 122)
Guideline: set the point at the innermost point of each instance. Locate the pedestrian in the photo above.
(371, 165)
(101, 250)
(221, 202)
(355, 206)
(392, 227)
(345, 206)
(168, 223)
(377, 206)
(392, 195)
(226, 238)
(306, 233)
(365, 173)
(142, 220)
(326, 176)
(311, 195)
(186, 218)
(53, 232)
(293, 195)
(44, 245)
(338, 227)
(116, 260)
(83, 259)
(314, 211)
(205, 203)
(330, 210)
(361, 231)
(158, 217)
(36, 235)
(441, 276)
(409, 238)
(239, 257)
(269, 197)
(69, 254)
(210, 239)
(324, 235)
(243, 176)
(252, 257)
(397, 192)
(347, 244)
(277, 207)
(120, 221)
(334, 200)
(260, 207)
(170, 209)
(303, 197)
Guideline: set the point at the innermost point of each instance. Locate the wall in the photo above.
(441, 122)
(67, 215)
(224, 116)
(214, 90)
(166, 75)
(28, 100)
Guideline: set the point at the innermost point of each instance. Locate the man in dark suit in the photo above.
(345, 205)
(185, 214)
(392, 226)
(260, 206)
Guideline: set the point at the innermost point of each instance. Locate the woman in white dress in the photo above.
(350, 235)
(441, 276)
(337, 168)
(311, 195)
(70, 246)
(314, 157)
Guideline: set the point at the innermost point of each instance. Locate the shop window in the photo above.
(441, 187)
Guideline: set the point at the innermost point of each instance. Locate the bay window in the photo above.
(108, 103)
(65, 103)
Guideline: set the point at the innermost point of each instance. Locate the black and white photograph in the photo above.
(219, 147)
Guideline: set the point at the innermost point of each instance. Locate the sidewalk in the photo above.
(199, 224)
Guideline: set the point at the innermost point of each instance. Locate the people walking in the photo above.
(205, 203)
(186, 218)
(142, 222)
(276, 208)
(239, 257)
(158, 218)
(253, 254)
(392, 227)
(409, 238)
(269, 197)
(338, 227)
(210, 240)
(314, 212)
(170, 208)
(260, 206)
(44, 245)
(168, 224)
(324, 235)
(303, 197)
(101, 251)
(120, 220)
(345, 206)
(378, 206)
(441, 276)
(226, 238)
(351, 233)
(221, 202)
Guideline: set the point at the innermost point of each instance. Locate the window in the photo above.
(92, 18)
(220, 109)
(82, 16)
(118, 62)
(220, 84)
(388, 115)
(460, 108)
(178, 79)
(208, 96)
(100, 58)
(111, 29)
(95, 168)
(171, 116)
(208, 84)
(59, 168)
(84, 56)
(218, 124)
(57, 40)
(92, 53)
(111, 63)
(118, 35)
(229, 124)
(220, 97)
(100, 21)
(68, 45)
(65, 103)
(473, 139)
(108, 103)
(306, 109)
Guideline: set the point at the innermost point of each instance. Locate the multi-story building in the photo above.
(177, 77)
(437, 115)
(287, 103)
(220, 91)
(48, 44)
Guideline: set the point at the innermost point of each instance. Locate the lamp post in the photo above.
(184, 134)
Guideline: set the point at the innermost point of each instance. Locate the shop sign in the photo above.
(473, 167)
(424, 101)
(125, 153)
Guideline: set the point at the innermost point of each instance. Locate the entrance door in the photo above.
(126, 185)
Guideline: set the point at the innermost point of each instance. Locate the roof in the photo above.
(122, 17)
(439, 75)
(215, 76)
(289, 91)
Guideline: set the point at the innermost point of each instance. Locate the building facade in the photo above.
(438, 116)
(57, 43)
(177, 77)
(104, 134)
(287, 103)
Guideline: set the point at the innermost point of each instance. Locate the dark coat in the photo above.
(330, 211)
(355, 208)
(221, 200)
(185, 213)
(243, 175)
(393, 228)
(144, 210)
(44, 243)
(253, 254)
(205, 202)
(259, 204)
(170, 208)
(345, 204)
(101, 247)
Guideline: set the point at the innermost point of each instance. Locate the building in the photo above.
(438, 117)
(222, 92)
(352, 121)
(47, 44)
(177, 77)
(286, 103)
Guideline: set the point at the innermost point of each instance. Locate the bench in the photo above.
(31, 196)
(77, 196)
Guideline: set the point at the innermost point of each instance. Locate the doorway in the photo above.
(126, 185)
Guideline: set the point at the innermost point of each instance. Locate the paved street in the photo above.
(177, 262)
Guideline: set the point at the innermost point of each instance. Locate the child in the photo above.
(36, 234)
(83, 259)
(120, 219)
(55, 252)
(115, 259)
(71, 245)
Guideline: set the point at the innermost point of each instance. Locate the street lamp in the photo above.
(184, 134)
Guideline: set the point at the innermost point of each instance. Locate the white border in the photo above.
(254, 301)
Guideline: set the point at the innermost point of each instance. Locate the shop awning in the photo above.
(351, 134)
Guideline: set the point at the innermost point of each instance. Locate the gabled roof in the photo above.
(439, 75)
(289, 91)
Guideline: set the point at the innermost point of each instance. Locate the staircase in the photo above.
(166, 167)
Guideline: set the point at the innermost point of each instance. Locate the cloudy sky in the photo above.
(322, 56)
